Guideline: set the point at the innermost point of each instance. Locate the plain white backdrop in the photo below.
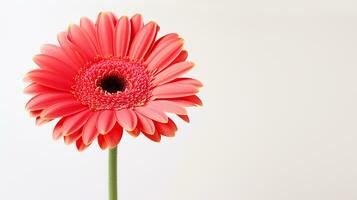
(279, 115)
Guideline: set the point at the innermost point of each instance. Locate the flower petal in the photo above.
(172, 72)
(35, 113)
(136, 25)
(152, 44)
(80, 145)
(36, 89)
(89, 129)
(156, 137)
(69, 139)
(59, 53)
(75, 122)
(113, 137)
(142, 41)
(113, 18)
(81, 39)
(127, 119)
(165, 56)
(184, 118)
(134, 133)
(181, 57)
(40, 121)
(122, 37)
(49, 79)
(188, 81)
(188, 101)
(160, 44)
(57, 131)
(70, 49)
(44, 100)
(167, 129)
(162, 41)
(101, 142)
(173, 90)
(106, 121)
(88, 26)
(146, 125)
(62, 109)
(105, 29)
(156, 115)
(167, 106)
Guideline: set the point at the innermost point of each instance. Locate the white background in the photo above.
(279, 115)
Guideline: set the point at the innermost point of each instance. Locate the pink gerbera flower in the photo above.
(108, 76)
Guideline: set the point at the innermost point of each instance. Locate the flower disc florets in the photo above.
(113, 83)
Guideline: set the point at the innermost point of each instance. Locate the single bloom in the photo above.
(108, 76)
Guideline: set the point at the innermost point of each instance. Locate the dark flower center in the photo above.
(112, 84)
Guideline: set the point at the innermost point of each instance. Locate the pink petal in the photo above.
(35, 113)
(167, 106)
(156, 137)
(188, 81)
(181, 57)
(59, 53)
(173, 90)
(160, 44)
(89, 129)
(101, 141)
(49, 79)
(106, 121)
(146, 125)
(36, 89)
(82, 40)
(156, 115)
(44, 100)
(62, 109)
(122, 37)
(136, 24)
(142, 41)
(113, 18)
(113, 137)
(75, 122)
(105, 29)
(135, 132)
(184, 118)
(40, 121)
(162, 41)
(172, 72)
(127, 119)
(69, 139)
(188, 101)
(88, 26)
(152, 44)
(70, 49)
(166, 56)
(167, 129)
(80, 145)
(57, 131)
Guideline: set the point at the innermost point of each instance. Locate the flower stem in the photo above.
(113, 193)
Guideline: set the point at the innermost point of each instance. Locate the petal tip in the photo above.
(137, 15)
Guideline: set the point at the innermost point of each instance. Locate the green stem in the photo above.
(113, 193)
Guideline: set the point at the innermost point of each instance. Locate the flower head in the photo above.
(108, 76)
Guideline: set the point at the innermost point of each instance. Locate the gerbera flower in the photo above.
(108, 76)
